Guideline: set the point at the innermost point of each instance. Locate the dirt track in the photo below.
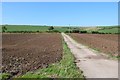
(93, 65)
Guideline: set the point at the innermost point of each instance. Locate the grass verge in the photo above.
(5, 76)
(66, 68)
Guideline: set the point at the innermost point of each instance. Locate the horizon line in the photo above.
(59, 25)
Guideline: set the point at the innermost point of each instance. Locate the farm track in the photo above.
(93, 65)
(28, 52)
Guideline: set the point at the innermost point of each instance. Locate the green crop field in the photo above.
(100, 29)
(11, 28)
(26, 28)
(61, 29)
(109, 30)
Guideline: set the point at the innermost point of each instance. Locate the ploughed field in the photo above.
(107, 43)
(27, 52)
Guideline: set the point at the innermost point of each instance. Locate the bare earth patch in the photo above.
(107, 43)
(27, 52)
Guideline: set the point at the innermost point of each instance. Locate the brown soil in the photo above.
(28, 52)
(107, 43)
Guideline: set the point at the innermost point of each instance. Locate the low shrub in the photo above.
(83, 31)
(95, 32)
(68, 31)
(23, 32)
(75, 31)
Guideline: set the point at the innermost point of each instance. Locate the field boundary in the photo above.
(92, 64)
(66, 68)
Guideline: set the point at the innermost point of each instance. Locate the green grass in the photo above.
(11, 28)
(102, 29)
(26, 28)
(61, 29)
(4, 76)
(66, 68)
(32, 28)
(109, 30)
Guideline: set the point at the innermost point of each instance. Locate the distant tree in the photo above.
(50, 28)
(4, 29)
(95, 32)
(83, 31)
(75, 31)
